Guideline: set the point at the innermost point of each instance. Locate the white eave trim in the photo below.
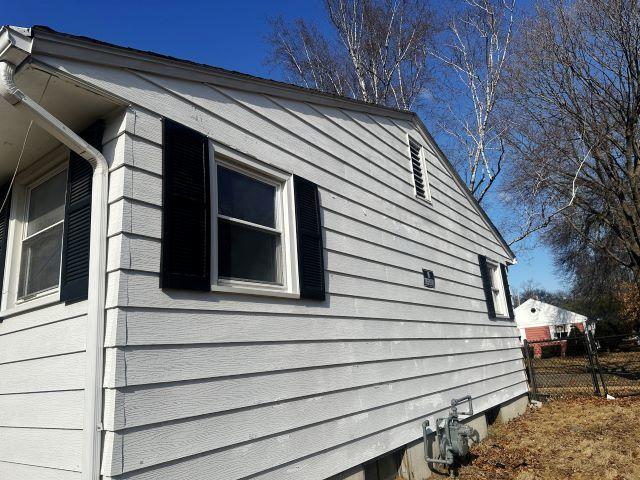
(15, 44)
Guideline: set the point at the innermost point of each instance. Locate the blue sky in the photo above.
(226, 34)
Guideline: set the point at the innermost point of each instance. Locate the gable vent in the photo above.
(417, 166)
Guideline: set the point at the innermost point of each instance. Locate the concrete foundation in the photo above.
(409, 463)
(513, 408)
(413, 465)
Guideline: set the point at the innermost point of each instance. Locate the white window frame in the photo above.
(558, 330)
(44, 169)
(497, 289)
(285, 226)
(425, 173)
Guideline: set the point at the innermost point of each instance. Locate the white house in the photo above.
(538, 320)
(224, 277)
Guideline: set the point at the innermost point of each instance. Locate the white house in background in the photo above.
(538, 320)
(226, 277)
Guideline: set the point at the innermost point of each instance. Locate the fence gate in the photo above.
(583, 365)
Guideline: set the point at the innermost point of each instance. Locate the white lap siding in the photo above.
(212, 385)
(42, 363)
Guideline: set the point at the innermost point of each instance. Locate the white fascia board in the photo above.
(15, 44)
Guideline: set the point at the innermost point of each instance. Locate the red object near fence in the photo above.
(534, 334)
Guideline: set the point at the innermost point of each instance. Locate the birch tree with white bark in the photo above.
(376, 51)
(474, 56)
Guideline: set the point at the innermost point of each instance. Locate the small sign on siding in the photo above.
(429, 278)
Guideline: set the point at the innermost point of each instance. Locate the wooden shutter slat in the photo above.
(309, 233)
(507, 291)
(74, 281)
(486, 285)
(186, 223)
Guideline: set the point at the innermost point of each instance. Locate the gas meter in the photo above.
(452, 437)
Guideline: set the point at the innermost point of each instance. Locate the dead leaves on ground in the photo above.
(567, 439)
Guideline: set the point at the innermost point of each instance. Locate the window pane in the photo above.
(492, 276)
(246, 253)
(40, 262)
(243, 197)
(496, 301)
(46, 203)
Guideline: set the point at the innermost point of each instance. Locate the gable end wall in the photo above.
(202, 383)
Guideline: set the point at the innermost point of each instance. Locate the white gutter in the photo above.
(92, 433)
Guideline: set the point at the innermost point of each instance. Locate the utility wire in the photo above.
(24, 145)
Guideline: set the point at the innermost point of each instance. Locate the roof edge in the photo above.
(44, 36)
(463, 186)
(15, 44)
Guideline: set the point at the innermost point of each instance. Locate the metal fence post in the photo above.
(529, 364)
(592, 342)
(592, 364)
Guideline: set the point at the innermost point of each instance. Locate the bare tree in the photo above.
(377, 52)
(475, 56)
(575, 85)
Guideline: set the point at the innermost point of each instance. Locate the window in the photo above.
(36, 220)
(419, 168)
(233, 223)
(561, 331)
(252, 247)
(249, 234)
(497, 289)
(41, 249)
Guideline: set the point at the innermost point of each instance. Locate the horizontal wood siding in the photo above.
(42, 363)
(18, 471)
(197, 384)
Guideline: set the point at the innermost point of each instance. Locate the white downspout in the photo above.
(97, 263)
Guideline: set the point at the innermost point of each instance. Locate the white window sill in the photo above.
(33, 304)
(263, 292)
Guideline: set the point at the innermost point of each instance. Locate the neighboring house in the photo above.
(537, 320)
(227, 277)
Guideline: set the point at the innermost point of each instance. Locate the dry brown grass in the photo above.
(566, 439)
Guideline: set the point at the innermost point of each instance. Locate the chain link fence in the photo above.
(583, 365)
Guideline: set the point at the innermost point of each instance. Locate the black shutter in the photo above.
(4, 229)
(309, 232)
(74, 283)
(507, 291)
(486, 284)
(186, 224)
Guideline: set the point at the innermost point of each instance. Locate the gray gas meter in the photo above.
(452, 436)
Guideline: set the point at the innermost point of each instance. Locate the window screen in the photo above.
(42, 237)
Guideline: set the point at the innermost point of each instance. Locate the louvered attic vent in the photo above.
(419, 175)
